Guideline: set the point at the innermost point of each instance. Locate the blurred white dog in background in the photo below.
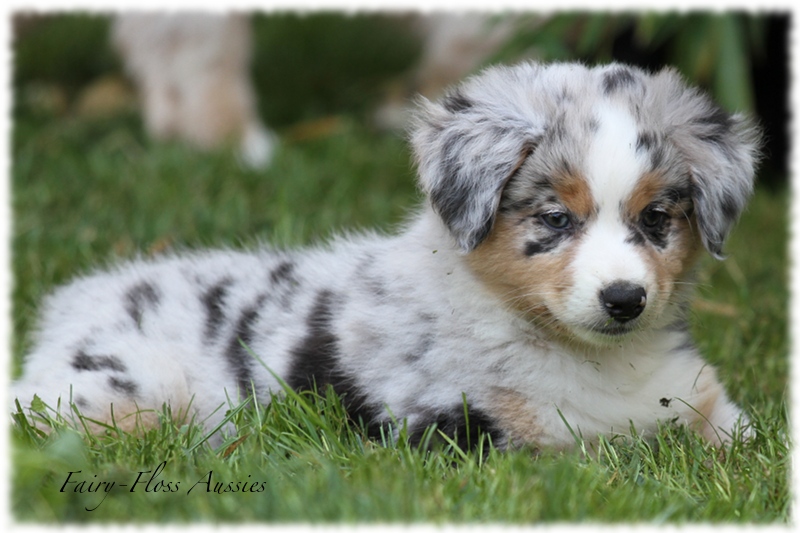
(192, 73)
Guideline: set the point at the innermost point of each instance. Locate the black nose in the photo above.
(623, 301)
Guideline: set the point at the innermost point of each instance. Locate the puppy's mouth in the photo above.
(607, 331)
(612, 328)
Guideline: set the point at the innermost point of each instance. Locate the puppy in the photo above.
(541, 291)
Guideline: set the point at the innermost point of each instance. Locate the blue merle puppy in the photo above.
(547, 276)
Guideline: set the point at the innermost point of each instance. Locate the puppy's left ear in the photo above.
(466, 151)
(722, 151)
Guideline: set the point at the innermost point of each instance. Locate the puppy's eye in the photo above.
(555, 220)
(653, 218)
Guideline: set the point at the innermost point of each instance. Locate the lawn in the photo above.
(87, 193)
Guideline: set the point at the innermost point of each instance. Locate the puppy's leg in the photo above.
(115, 382)
(121, 345)
(716, 418)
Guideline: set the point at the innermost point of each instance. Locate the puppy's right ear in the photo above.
(466, 149)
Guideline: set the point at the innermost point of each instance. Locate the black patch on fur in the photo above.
(84, 362)
(648, 141)
(426, 342)
(645, 141)
(466, 194)
(566, 166)
(636, 237)
(717, 125)
(540, 183)
(284, 272)
(712, 233)
(677, 194)
(453, 196)
(139, 298)
(125, 386)
(456, 102)
(545, 245)
(729, 206)
(484, 231)
(665, 402)
(675, 201)
(657, 156)
(214, 302)
(657, 237)
(315, 357)
(284, 282)
(465, 428)
(618, 78)
(510, 206)
(315, 364)
(238, 354)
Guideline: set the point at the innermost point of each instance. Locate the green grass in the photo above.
(86, 193)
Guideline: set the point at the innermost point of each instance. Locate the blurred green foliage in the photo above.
(311, 64)
(316, 64)
(308, 65)
(68, 49)
(304, 65)
(715, 50)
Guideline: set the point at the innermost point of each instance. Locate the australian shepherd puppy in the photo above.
(541, 291)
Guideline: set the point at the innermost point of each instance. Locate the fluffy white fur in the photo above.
(546, 280)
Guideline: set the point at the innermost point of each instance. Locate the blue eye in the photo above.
(555, 220)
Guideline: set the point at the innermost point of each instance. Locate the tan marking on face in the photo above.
(674, 263)
(647, 188)
(527, 284)
(533, 285)
(574, 192)
(515, 416)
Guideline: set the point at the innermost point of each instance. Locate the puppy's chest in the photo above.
(428, 361)
(557, 393)
(545, 393)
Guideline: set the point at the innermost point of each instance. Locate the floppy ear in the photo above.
(722, 151)
(466, 151)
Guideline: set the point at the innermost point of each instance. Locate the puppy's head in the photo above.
(583, 196)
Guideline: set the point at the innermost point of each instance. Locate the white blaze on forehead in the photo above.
(612, 166)
(605, 255)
